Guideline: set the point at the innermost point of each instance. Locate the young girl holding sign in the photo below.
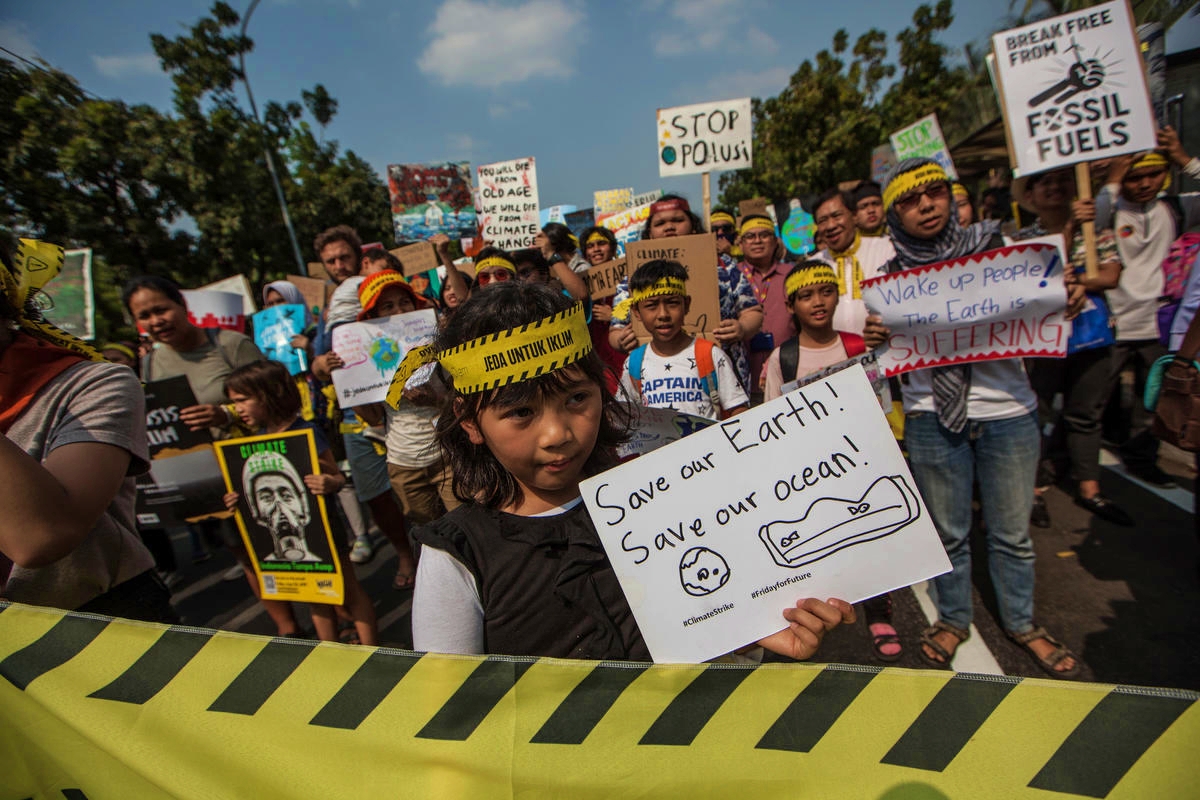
(268, 402)
(519, 568)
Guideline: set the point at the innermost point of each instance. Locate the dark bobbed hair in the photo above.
(867, 189)
(560, 237)
(609, 236)
(697, 223)
(651, 272)
(153, 283)
(478, 476)
(533, 257)
(270, 384)
(829, 194)
(802, 266)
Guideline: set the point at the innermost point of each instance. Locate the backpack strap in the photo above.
(708, 371)
(634, 363)
(789, 358)
(854, 344)
(1176, 208)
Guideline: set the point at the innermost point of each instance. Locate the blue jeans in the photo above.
(1004, 455)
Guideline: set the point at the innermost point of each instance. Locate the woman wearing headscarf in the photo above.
(967, 421)
(73, 436)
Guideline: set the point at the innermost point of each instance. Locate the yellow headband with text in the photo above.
(596, 236)
(757, 224)
(959, 190)
(808, 277)
(35, 264)
(511, 356)
(494, 261)
(721, 216)
(907, 181)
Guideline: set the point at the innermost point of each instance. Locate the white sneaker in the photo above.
(233, 573)
(362, 551)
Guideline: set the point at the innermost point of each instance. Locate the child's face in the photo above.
(813, 306)
(546, 443)
(393, 300)
(663, 316)
(250, 409)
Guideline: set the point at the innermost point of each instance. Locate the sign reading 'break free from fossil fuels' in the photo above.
(714, 535)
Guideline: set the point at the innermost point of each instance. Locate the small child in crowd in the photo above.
(674, 370)
(267, 402)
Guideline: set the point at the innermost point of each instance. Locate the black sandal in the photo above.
(927, 640)
(1051, 661)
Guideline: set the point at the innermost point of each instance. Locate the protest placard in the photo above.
(74, 309)
(428, 199)
(208, 308)
(627, 225)
(555, 214)
(1073, 89)
(611, 201)
(869, 361)
(184, 481)
(713, 536)
(698, 254)
(602, 279)
(883, 158)
(316, 292)
(651, 428)
(643, 198)
(235, 284)
(417, 258)
(923, 139)
(284, 526)
(580, 221)
(274, 329)
(1004, 303)
(705, 137)
(508, 203)
(372, 350)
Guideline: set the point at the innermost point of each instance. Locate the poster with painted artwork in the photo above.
(508, 203)
(372, 350)
(284, 526)
(211, 309)
(714, 535)
(274, 329)
(627, 225)
(580, 221)
(72, 294)
(428, 199)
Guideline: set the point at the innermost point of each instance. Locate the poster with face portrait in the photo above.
(284, 526)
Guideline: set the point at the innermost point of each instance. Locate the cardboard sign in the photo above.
(705, 137)
(923, 139)
(316, 292)
(883, 158)
(274, 329)
(508, 203)
(428, 199)
(1073, 89)
(756, 205)
(610, 201)
(73, 294)
(602, 279)
(627, 225)
(372, 350)
(284, 526)
(236, 284)
(184, 481)
(697, 253)
(1004, 303)
(651, 428)
(317, 270)
(212, 309)
(713, 536)
(417, 258)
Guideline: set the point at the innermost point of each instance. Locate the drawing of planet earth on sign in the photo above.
(702, 571)
(386, 355)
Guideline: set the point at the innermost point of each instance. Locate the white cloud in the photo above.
(462, 145)
(507, 109)
(15, 36)
(484, 44)
(124, 66)
(745, 83)
(704, 25)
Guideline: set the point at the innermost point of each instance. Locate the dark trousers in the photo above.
(1085, 381)
(1141, 448)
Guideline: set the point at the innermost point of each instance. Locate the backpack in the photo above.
(704, 366)
(789, 353)
(1176, 267)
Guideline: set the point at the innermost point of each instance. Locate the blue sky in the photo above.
(574, 84)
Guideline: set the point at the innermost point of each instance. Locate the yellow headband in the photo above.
(494, 261)
(808, 277)
(757, 224)
(907, 181)
(1151, 159)
(663, 286)
(959, 190)
(120, 348)
(511, 356)
(35, 264)
(597, 236)
(721, 216)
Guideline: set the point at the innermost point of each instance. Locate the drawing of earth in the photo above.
(702, 571)
(385, 355)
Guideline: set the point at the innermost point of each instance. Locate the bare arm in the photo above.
(454, 278)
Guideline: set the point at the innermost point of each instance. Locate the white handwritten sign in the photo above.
(1073, 89)
(372, 350)
(651, 428)
(508, 203)
(705, 137)
(870, 363)
(714, 535)
(1004, 303)
(923, 139)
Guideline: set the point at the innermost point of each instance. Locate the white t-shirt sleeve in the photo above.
(447, 615)
(729, 386)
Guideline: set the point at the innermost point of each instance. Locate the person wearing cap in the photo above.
(766, 274)
(965, 420)
(1146, 225)
(853, 256)
(868, 209)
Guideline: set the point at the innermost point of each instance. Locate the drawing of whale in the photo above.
(833, 523)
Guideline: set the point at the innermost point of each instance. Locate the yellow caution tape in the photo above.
(92, 707)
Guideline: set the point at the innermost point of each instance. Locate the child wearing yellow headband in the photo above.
(812, 297)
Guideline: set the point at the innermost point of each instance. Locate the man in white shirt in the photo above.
(854, 257)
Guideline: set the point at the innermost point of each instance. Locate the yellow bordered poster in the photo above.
(284, 526)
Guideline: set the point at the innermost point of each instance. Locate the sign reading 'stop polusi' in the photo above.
(1073, 89)
(705, 137)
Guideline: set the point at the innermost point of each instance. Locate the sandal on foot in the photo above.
(1051, 661)
(943, 662)
(403, 581)
(884, 635)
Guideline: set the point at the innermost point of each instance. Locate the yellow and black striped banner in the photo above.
(98, 708)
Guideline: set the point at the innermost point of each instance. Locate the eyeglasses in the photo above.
(499, 276)
(934, 191)
(761, 236)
